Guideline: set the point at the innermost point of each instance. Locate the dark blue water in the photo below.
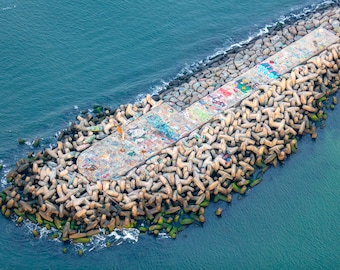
(59, 58)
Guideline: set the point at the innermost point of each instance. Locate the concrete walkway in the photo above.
(163, 125)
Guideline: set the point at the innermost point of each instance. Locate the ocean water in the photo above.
(59, 58)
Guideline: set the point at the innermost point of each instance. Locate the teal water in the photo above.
(59, 58)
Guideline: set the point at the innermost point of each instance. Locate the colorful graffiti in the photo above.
(213, 103)
(268, 70)
(243, 85)
(224, 92)
(162, 127)
(197, 113)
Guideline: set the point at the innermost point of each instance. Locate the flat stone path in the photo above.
(163, 125)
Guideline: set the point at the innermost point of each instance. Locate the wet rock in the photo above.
(156, 97)
(36, 142)
(175, 83)
(21, 141)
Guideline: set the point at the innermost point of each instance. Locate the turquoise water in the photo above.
(59, 58)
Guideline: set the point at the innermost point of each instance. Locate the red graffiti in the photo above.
(224, 92)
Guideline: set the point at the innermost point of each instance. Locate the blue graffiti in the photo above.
(162, 127)
(268, 70)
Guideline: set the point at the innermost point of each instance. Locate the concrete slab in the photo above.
(163, 125)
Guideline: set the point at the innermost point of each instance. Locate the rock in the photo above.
(175, 94)
(302, 33)
(35, 233)
(175, 83)
(252, 64)
(292, 30)
(326, 25)
(194, 99)
(196, 85)
(156, 97)
(238, 64)
(185, 86)
(300, 28)
(218, 212)
(272, 49)
(316, 23)
(200, 89)
(257, 47)
(267, 42)
(336, 25)
(241, 67)
(278, 46)
(250, 53)
(266, 51)
(210, 89)
(324, 19)
(20, 220)
(166, 98)
(289, 36)
(211, 82)
(173, 99)
(297, 37)
(188, 93)
(36, 142)
(309, 26)
(259, 59)
(204, 84)
(22, 168)
(180, 104)
(181, 97)
(7, 213)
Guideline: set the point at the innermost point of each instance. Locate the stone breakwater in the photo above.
(223, 157)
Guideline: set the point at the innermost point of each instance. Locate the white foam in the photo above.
(115, 238)
(97, 242)
(163, 235)
(9, 6)
(3, 180)
(129, 235)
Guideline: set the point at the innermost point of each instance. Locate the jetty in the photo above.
(156, 164)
